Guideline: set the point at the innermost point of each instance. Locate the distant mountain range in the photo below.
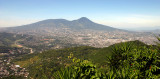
(79, 24)
(78, 32)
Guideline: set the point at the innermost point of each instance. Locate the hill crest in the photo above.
(82, 23)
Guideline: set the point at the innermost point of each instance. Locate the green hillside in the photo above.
(8, 39)
(45, 64)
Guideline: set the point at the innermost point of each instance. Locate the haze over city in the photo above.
(123, 14)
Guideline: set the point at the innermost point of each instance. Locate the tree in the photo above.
(129, 61)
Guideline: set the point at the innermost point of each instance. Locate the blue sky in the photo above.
(115, 13)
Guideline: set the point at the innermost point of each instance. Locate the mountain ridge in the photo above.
(79, 24)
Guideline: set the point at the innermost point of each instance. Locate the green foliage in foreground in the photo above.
(82, 69)
(126, 62)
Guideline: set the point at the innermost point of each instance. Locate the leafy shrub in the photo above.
(129, 61)
(126, 62)
(82, 69)
(65, 73)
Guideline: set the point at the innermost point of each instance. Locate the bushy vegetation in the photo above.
(126, 62)
(80, 69)
(43, 65)
(129, 60)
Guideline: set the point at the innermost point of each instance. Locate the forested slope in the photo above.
(45, 64)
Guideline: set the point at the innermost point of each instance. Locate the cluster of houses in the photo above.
(8, 69)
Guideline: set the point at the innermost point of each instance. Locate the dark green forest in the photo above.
(127, 60)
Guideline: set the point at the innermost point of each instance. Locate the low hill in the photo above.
(48, 62)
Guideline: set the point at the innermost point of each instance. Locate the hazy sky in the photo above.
(115, 13)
